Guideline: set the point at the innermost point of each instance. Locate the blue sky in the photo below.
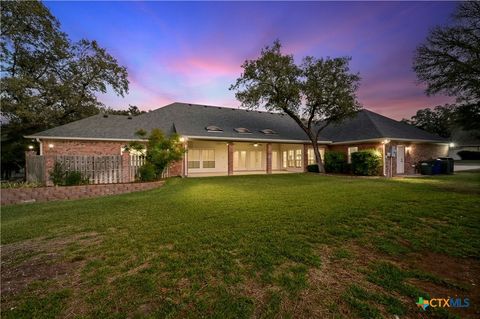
(192, 51)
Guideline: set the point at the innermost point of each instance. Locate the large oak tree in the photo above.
(46, 79)
(315, 94)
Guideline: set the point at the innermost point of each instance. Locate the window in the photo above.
(194, 158)
(298, 158)
(208, 158)
(351, 150)
(311, 155)
(243, 130)
(201, 158)
(268, 131)
(284, 159)
(213, 129)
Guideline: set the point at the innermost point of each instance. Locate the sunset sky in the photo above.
(192, 51)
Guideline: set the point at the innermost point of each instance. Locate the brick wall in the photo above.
(71, 147)
(45, 194)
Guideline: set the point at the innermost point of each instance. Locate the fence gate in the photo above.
(35, 169)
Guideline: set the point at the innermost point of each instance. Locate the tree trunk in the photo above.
(318, 157)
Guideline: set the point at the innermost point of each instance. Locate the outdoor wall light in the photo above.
(182, 139)
(50, 145)
(255, 145)
(30, 147)
(451, 144)
(386, 141)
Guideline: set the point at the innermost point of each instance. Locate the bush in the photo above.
(335, 162)
(57, 174)
(366, 162)
(147, 172)
(313, 168)
(75, 178)
(469, 155)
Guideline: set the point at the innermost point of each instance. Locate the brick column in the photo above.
(230, 158)
(269, 158)
(126, 178)
(49, 163)
(305, 156)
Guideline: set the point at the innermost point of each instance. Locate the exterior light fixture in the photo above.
(50, 145)
(30, 147)
(451, 144)
(182, 139)
(386, 141)
(255, 145)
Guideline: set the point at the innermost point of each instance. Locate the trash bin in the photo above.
(450, 166)
(437, 167)
(425, 168)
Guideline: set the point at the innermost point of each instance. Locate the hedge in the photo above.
(367, 163)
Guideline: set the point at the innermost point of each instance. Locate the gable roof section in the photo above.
(192, 119)
(368, 125)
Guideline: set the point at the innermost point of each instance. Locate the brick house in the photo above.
(226, 141)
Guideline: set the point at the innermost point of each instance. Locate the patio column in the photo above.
(269, 158)
(305, 156)
(230, 158)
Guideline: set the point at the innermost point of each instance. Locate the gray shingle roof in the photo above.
(192, 120)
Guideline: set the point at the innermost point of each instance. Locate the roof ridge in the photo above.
(221, 107)
(379, 131)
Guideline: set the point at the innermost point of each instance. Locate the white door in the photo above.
(400, 159)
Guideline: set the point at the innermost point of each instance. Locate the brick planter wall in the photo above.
(45, 194)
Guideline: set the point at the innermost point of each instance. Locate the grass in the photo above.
(297, 245)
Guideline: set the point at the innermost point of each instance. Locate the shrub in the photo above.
(469, 155)
(313, 168)
(366, 162)
(75, 178)
(335, 162)
(57, 174)
(147, 172)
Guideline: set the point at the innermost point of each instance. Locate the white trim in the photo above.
(252, 139)
(388, 138)
(85, 138)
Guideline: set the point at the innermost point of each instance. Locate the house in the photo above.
(227, 141)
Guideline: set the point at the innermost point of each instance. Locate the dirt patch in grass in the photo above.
(39, 260)
(461, 276)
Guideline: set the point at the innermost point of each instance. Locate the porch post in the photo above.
(305, 156)
(269, 158)
(230, 158)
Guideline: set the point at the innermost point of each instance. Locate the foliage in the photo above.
(47, 80)
(147, 173)
(469, 155)
(448, 62)
(367, 162)
(75, 178)
(19, 185)
(61, 177)
(314, 94)
(132, 110)
(312, 168)
(446, 119)
(161, 150)
(335, 162)
(57, 174)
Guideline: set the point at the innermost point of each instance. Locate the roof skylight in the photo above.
(242, 130)
(268, 131)
(213, 128)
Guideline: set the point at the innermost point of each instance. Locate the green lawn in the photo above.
(279, 246)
